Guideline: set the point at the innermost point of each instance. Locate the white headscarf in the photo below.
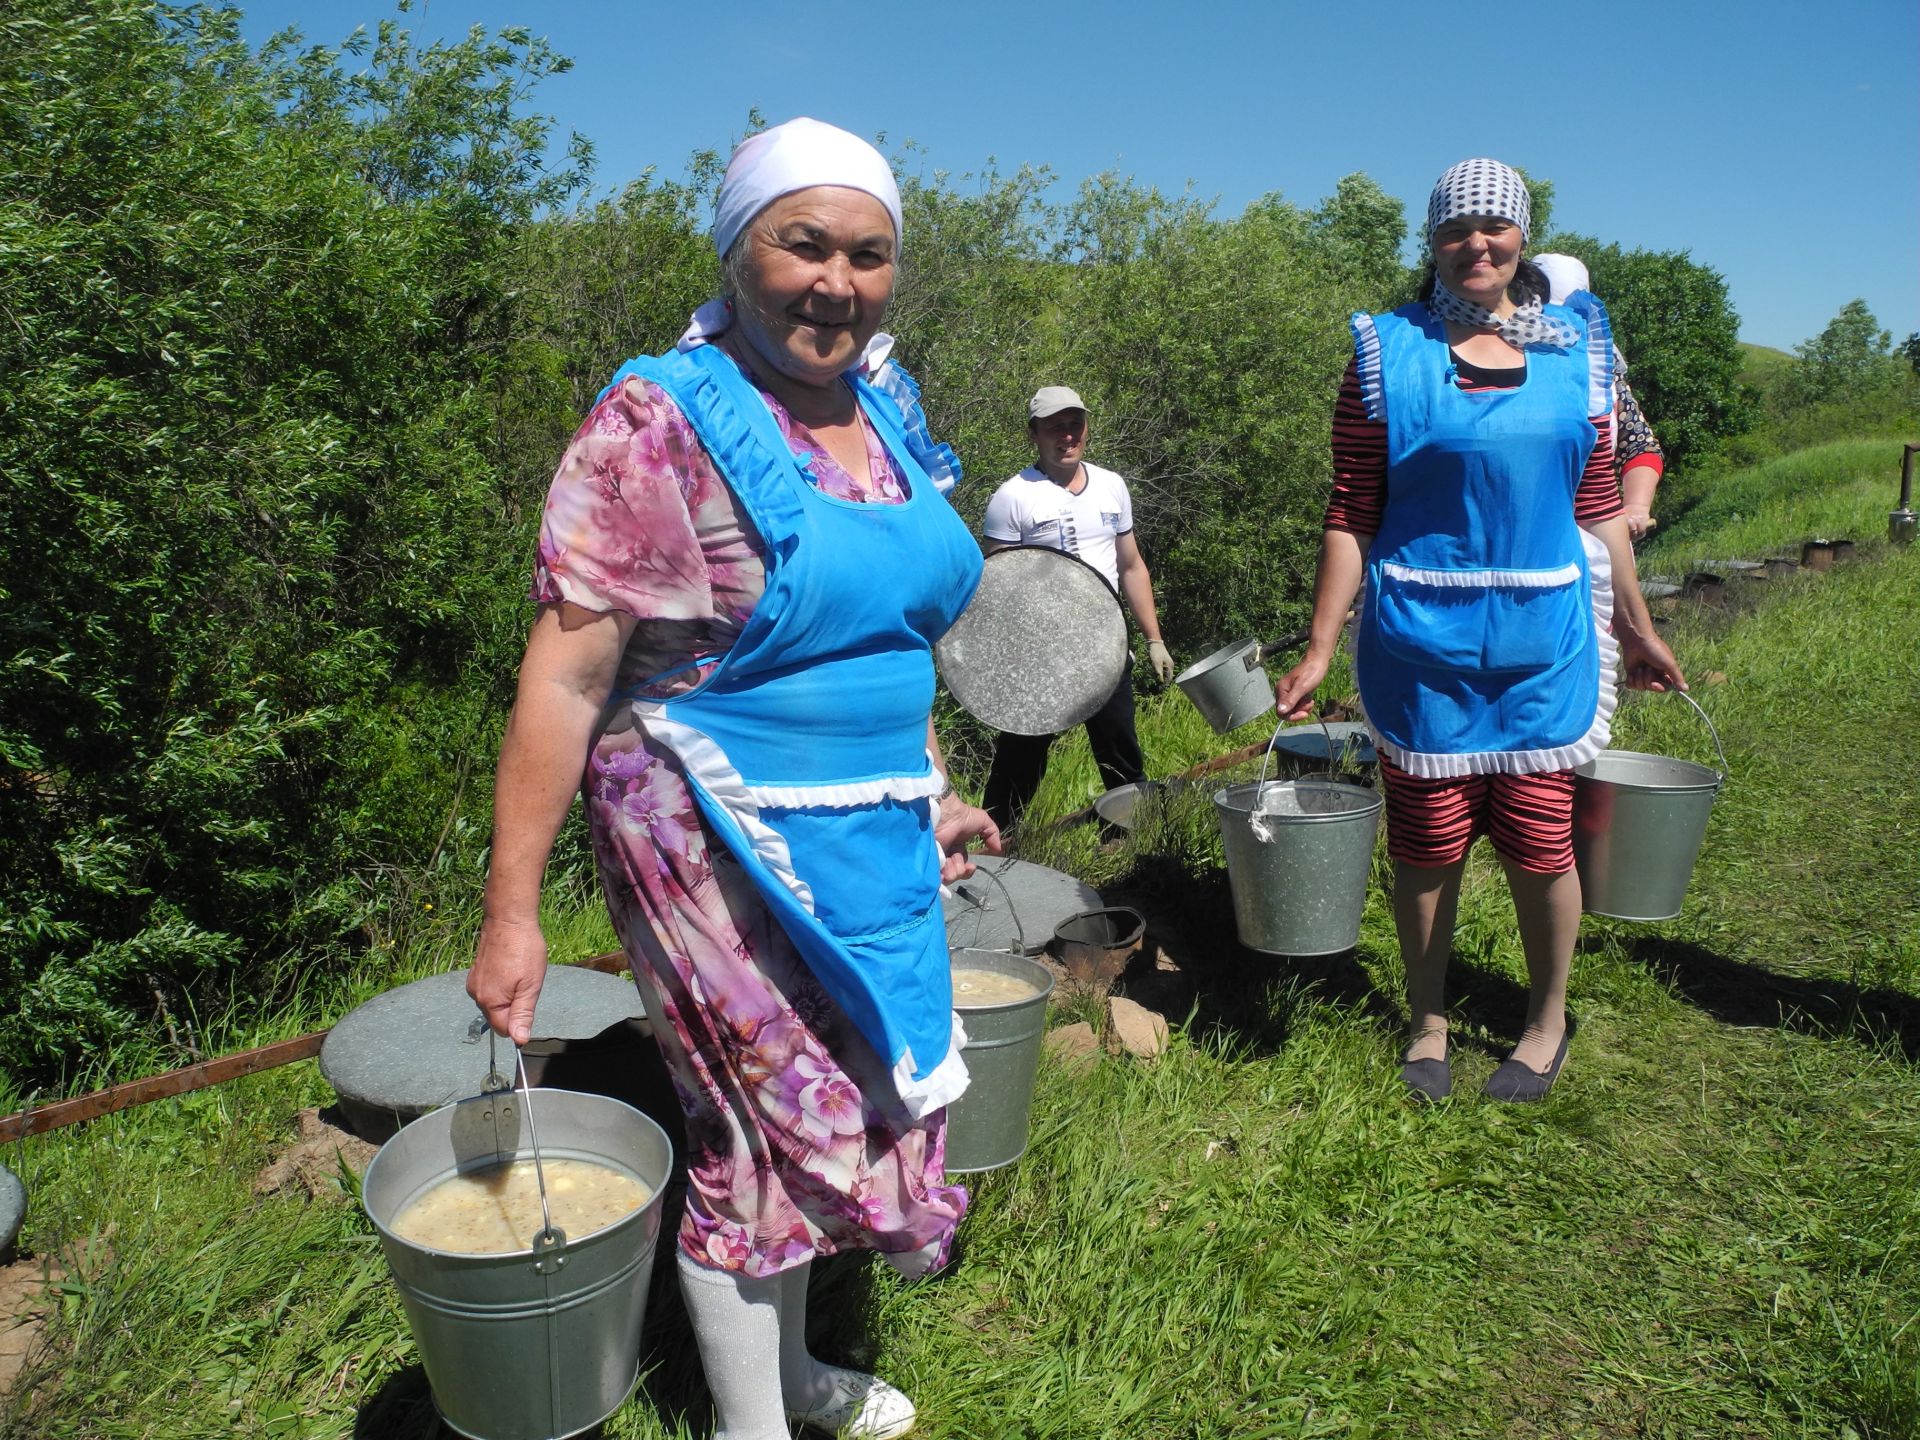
(798, 155)
(1565, 274)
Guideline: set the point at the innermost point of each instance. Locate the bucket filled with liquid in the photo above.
(1638, 824)
(523, 1264)
(1002, 1001)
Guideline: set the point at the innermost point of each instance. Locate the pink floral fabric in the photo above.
(797, 1145)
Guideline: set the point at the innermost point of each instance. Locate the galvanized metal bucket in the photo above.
(1229, 687)
(1298, 853)
(1117, 806)
(987, 1125)
(1638, 824)
(542, 1342)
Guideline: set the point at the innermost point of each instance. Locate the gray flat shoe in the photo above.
(1517, 1084)
(1428, 1081)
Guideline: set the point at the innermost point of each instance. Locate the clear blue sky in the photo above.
(1776, 140)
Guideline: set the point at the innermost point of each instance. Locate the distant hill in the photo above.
(1763, 363)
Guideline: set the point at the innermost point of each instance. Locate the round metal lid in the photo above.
(1040, 647)
(416, 1047)
(981, 916)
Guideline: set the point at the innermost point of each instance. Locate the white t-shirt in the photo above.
(1030, 509)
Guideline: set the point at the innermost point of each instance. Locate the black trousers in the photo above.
(1020, 761)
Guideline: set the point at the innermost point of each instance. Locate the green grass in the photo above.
(1706, 1231)
(1838, 491)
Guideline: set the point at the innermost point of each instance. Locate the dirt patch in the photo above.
(315, 1161)
(27, 1298)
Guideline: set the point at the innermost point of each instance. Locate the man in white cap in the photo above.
(1066, 503)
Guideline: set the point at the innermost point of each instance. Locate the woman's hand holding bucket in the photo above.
(1646, 662)
(1293, 693)
(508, 968)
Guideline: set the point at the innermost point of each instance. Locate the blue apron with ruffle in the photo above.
(806, 746)
(1477, 649)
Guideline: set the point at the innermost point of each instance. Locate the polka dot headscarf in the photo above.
(1486, 187)
(1480, 187)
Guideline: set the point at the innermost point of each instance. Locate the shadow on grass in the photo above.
(1735, 992)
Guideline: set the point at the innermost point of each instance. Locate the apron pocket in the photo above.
(1480, 630)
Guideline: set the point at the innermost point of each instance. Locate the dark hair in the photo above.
(1529, 283)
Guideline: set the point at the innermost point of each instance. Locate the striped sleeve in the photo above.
(1598, 497)
(1359, 461)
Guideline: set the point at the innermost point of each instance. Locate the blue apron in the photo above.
(1477, 649)
(806, 746)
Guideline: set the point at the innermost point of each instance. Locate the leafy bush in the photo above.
(259, 319)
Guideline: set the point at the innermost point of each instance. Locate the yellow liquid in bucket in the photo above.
(989, 987)
(497, 1210)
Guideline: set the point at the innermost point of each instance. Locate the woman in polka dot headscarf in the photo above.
(1475, 511)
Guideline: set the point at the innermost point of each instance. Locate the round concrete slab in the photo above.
(13, 1210)
(980, 917)
(416, 1048)
(1306, 745)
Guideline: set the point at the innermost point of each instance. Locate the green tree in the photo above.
(1362, 229)
(1851, 354)
(258, 561)
(1673, 320)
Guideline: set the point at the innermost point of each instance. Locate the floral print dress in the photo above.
(797, 1144)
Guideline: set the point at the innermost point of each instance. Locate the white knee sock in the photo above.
(804, 1381)
(737, 1322)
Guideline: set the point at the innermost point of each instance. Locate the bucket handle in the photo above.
(1019, 930)
(1256, 821)
(550, 1245)
(1718, 749)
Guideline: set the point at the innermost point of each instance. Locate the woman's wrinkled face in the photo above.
(1476, 256)
(816, 278)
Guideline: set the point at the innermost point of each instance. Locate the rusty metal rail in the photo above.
(159, 1087)
(189, 1078)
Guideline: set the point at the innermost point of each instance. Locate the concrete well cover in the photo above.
(980, 917)
(413, 1049)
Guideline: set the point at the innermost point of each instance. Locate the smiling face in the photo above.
(1061, 439)
(1476, 257)
(814, 280)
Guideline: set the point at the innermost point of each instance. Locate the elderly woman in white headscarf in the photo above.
(742, 569)
(1637, 455)
(1475, 508)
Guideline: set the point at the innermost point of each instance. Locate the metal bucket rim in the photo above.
(1232, 650)
(655, 1189)
(1712, 782)
(1139, 927)
(1044, 993)
(1229, 797)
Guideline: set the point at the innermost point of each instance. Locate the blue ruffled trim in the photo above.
(938, 460)
(1603, 369)
(1366, 355)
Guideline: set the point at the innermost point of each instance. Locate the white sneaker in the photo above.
(863, 1407)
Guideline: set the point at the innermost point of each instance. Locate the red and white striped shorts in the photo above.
(1432, 823)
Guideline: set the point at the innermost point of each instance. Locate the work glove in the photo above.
(1161, 659)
